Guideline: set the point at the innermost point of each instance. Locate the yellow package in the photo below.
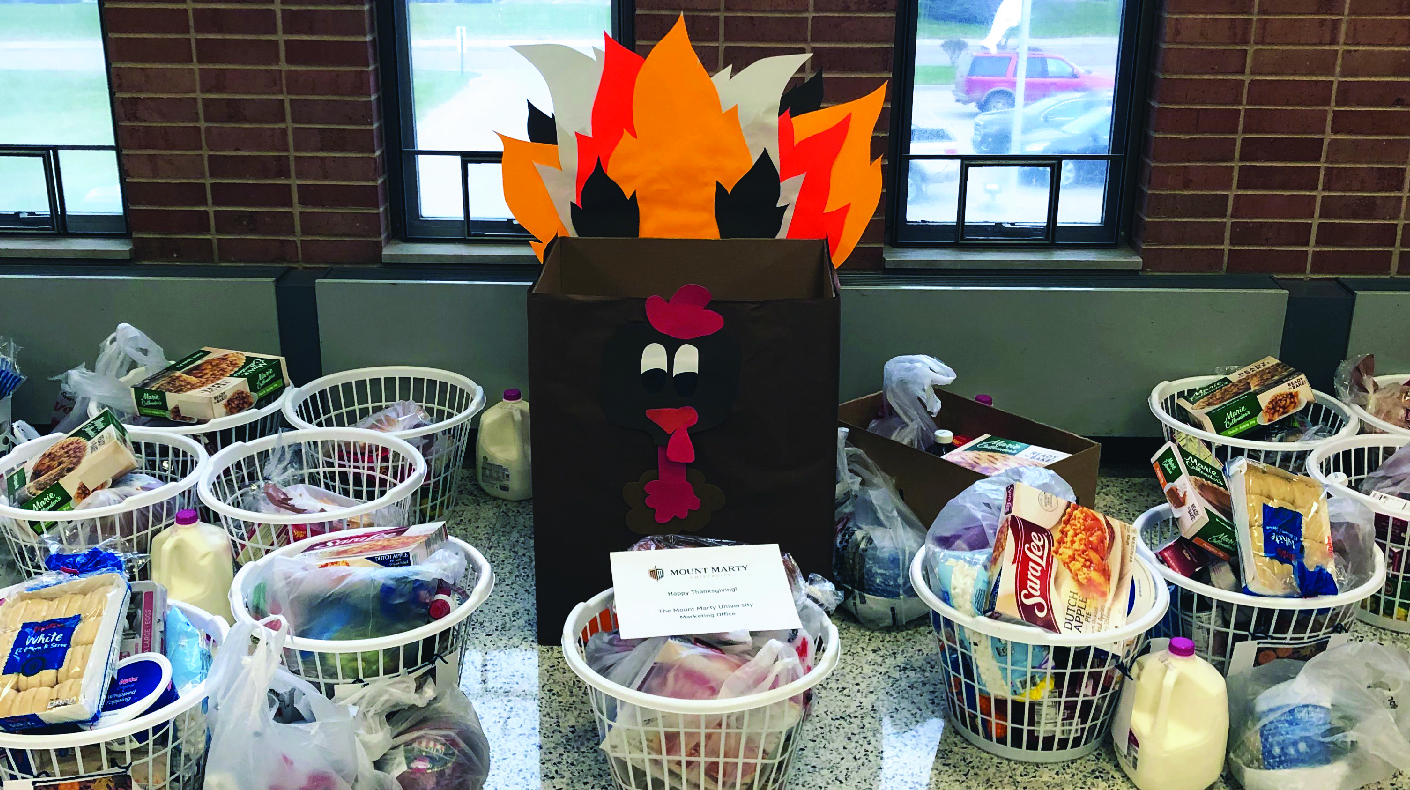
(1284, 533)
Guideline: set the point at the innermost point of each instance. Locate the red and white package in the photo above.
(394, 547)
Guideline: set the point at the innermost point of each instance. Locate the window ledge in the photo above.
(67, 247)
(426, 252)
(968, 258)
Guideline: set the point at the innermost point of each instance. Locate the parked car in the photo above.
(1090, 134)
(988, 79)
(993, 130)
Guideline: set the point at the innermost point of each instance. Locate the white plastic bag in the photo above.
(438, 745)
(375, 700)
(1336, 722)
(126, 349)
(911, 401)
(971, 520)
(1391, 477)
(306, 741)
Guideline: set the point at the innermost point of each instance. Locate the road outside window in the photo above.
(58, 166)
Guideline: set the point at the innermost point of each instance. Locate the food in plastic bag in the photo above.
(971, 520)
(10, 376)
(877, 536)
(1392, 477)
(1336, 722)
(439, 746)
(188, 650)
(1356, 383)
(403, 415)
(911, 404)
(1285, 535)
(125, 351)
(271, 730)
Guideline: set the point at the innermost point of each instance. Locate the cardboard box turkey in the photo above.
(928, 482)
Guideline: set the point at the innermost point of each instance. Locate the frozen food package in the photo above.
(211, 383)
(1285, 535)
(1060, 566)
(392, 547)
(1258, 394)
(88, 459)
(989, 455)
(1199, 498)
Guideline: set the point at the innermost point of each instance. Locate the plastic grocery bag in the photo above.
(125, 350)
(910, 401)
(132, 528)
(439, 745)
(971, 520)
(877, 537)
(1391, 477)
(376, 699)
(1336, 722)
(269, 729)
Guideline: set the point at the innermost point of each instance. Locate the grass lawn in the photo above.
(431, 89)
(48, 22)
(62, 107)
(509, 19)
(1050, 20)
(935, 75)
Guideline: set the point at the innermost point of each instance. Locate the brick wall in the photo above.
(250, 132)
(1280, 135)
(851, 42)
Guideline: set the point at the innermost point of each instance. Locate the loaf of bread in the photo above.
(1281, 521)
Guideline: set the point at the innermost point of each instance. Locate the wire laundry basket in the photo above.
(1325, 411)
(327, 663)
(451, 400)
(1218, 621)
(1058, 690)
(1372, 424)
(218, 434)
(660, 743)
(162, 750)
(1354, 459)
(333, 459)
(177, 461)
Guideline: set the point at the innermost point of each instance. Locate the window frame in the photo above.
(399, 121)
(1118, 204)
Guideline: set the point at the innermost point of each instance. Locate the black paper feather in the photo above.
(751, 209)
(803, 98)
(604, 210)
(542, 128)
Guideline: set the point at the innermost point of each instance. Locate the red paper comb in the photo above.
(684, 317)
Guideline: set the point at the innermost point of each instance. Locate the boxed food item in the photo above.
(144, 626)
(59, 645)
(211, 383)
(1199, 498)
(1060, 566)
(1284, 532)
(395, 547)
(990, 455)
(1259, 394)
(89, 458)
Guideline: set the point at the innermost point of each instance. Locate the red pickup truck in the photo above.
(987, 79)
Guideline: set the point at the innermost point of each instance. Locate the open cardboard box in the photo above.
(928, 482)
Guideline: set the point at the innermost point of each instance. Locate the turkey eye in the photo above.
(686, 370)
(653, 367)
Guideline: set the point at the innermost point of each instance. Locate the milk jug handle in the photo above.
(519, 431)
(168, 549)
(1162, 711)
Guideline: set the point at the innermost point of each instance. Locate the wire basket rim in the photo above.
(1031, 634)
(484, 585)
(226, 458)
(477, 403)
(1315, 459)
(161, 494)
(1348, 598)
(209, 426)
(579, 618)
(1368, 419)
(1166, 389)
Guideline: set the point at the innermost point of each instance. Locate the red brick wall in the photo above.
(1279, 137)
(249, 132)
(851, 42)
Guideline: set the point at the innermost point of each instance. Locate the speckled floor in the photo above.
(877, 722)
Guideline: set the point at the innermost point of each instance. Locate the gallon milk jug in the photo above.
(1172, 725)
(502, 449)
(193, 561)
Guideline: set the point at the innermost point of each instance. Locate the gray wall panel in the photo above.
(1081, 359)
(59, 322)
(1381, 325)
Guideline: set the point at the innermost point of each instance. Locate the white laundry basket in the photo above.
(176, 460)
(1370, 424)
(163, 750)
(1325, 411)
(327, 664)
(742, 743)
(335, 459)
(215, 435)
(1217, 621)
(1071, 682)
(1388, 607)
(451, 400)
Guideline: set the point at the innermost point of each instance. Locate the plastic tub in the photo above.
(754, 736)
(1326, 411)
(451, 400)
(216, 435)
(1218, 620)
(176, 460)
(1071, 717)
(335, 459)
(327, 663)
(1356, 458)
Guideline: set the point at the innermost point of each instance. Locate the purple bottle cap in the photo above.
(512, 394)
(984, 399)
(1180, 646)
(187, 516)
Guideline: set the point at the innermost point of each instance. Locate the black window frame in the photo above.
(399, 121)
(1118, 209)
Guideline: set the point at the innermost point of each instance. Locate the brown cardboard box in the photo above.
(928, 482)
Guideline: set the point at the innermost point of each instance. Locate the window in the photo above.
(58, 164)
(1014, 122)
(457, 83)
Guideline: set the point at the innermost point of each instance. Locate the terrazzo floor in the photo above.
(877, 722)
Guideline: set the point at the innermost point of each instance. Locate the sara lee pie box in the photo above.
(394, 547)
(211, 383)
(927, 481)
